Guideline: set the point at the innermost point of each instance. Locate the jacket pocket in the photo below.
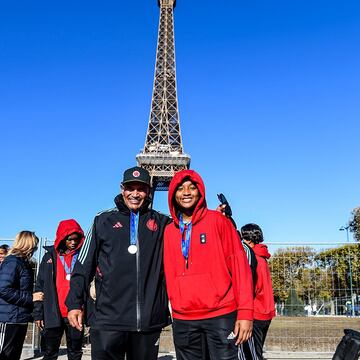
(197, 292)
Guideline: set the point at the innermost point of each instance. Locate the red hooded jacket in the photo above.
(218, 278)
(264, 306)
(65, 228)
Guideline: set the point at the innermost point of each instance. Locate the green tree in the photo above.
(354, 223)
(288, 267)
(314, 283)
(315, 276)
(336, 262)
(293, 305)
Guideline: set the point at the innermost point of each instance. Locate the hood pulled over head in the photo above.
(66, 228)
(179, 178)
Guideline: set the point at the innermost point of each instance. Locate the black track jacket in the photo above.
(47, 310)
(130, 289)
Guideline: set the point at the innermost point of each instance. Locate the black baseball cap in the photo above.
(136, 174)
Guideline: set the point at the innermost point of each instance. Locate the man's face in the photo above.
(2, 255)
(187, 195)
(134, 194)
(72, 241)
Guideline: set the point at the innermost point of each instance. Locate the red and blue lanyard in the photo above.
(134, 222)
(66, 267)
(185, 238)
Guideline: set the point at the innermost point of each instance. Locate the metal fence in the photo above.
(316, 289)
(317, 294)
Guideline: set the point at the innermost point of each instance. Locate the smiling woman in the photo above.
(187, 196)
(207, 275)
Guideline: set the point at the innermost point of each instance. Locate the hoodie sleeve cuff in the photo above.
(75, 307)
(245, 315)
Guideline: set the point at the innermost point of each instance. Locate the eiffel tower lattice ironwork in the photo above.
(163, 154)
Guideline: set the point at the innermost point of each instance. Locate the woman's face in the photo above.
(187, 195)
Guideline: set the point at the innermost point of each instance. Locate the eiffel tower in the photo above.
(163, 154)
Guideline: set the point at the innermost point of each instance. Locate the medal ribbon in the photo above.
(73, 261)
(134, 222)
(185, 237)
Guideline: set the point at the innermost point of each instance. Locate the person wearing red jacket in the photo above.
(51, 289)
(264, 306)
(208, 277)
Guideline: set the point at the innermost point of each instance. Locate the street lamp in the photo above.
(343, 228)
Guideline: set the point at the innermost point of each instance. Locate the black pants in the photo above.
(218, 331)
(260, 330)
(247, 350)
(113, 345)
(12, 338)
(51, 340)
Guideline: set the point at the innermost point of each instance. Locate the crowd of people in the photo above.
(132, 267)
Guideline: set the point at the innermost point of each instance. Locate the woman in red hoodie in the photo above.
(264, 306)
(208, 277)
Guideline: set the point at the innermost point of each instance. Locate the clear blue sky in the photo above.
(268, 95)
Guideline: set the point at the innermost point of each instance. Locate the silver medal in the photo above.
(68, 276)
(132, 249)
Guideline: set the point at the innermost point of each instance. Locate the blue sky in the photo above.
(268, 97)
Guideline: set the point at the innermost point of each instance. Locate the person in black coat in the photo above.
(123, 251)
(16, 301)
(51, 289)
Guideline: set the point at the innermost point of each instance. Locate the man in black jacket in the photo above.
(124, 251)
(52, 287)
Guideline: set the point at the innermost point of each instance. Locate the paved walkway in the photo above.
(28, 354)
(86, 356)
(272, 355)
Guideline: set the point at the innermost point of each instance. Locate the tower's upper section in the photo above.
(167, 3)
(163, 152)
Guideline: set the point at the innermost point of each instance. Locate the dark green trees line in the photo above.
(313, 274)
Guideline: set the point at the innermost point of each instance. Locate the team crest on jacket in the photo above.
(49, 261)
(152, 225)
